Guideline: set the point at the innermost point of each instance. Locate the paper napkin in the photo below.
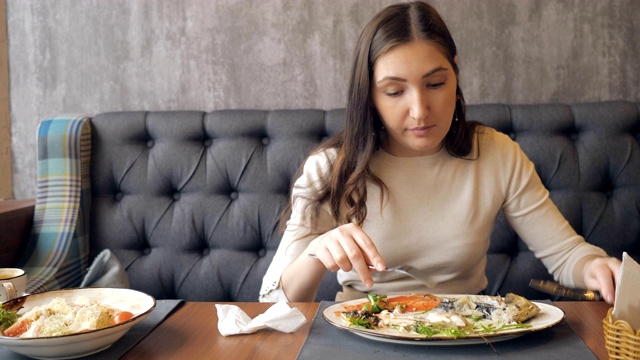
(232, 320)
(627, 304)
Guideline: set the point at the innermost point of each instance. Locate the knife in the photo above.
(552, 287)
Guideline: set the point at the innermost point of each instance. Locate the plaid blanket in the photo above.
(58, 251)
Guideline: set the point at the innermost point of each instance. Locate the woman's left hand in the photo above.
(601, 273)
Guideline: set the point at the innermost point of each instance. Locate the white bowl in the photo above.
(86, 343)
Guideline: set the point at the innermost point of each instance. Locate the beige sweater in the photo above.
(439, 215)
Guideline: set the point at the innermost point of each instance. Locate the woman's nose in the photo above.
(419, 106)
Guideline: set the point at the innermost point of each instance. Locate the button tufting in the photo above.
(573, 136)
(206, 251)
(146, 251)
(266, 141)
(119, 196)
(262, 252)
(512, 136)
(234, 195)
(150, 143)
(208, 142)
(176, 196)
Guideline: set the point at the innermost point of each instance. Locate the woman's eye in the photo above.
(393, 93)
(435, 85)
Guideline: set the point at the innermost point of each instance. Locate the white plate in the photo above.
(549, 316)
(83, 344)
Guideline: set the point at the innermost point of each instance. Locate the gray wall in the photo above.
(82, 56)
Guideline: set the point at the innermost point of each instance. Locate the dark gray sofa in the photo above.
(189, 201)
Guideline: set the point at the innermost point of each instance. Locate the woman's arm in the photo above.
(529, 209)
(292, 275)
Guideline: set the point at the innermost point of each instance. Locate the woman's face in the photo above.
(414, 90)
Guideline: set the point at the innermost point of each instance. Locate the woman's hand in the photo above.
(601, 274)
(347, 248)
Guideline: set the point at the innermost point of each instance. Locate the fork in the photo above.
(419, 275)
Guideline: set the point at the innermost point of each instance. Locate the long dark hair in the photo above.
(345, 186)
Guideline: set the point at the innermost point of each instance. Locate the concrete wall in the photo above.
(6, 178)
(89, 56)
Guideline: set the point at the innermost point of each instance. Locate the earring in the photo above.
(455, 112)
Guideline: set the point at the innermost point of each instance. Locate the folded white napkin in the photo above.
(232, 320)
(627, 304)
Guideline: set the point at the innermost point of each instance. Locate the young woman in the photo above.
(410, 181)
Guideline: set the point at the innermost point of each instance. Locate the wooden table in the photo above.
(585, 318)
(16, 219)
(191, 333)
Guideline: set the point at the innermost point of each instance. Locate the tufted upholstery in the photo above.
(189, 201)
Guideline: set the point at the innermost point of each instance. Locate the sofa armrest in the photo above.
(16, 220)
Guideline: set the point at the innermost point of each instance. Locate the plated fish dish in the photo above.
(443, 317)
(431, 315)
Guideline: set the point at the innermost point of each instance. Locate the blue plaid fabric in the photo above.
(58, 252)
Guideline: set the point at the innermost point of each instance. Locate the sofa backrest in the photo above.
(190, 201)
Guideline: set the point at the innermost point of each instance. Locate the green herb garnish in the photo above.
(7, 318)
(364, 319)
(430, 330)
(377, 303)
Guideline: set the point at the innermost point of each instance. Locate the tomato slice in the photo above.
(121, 317)
(18, 328)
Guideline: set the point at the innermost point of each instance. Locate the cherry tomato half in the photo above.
(121, 317)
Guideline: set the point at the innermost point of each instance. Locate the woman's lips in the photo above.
(421, 130)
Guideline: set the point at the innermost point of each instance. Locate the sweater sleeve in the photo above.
(297, 234)
(538, 221)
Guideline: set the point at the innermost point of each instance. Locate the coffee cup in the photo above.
(13, 283)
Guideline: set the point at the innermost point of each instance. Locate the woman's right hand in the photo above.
(347, 248)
